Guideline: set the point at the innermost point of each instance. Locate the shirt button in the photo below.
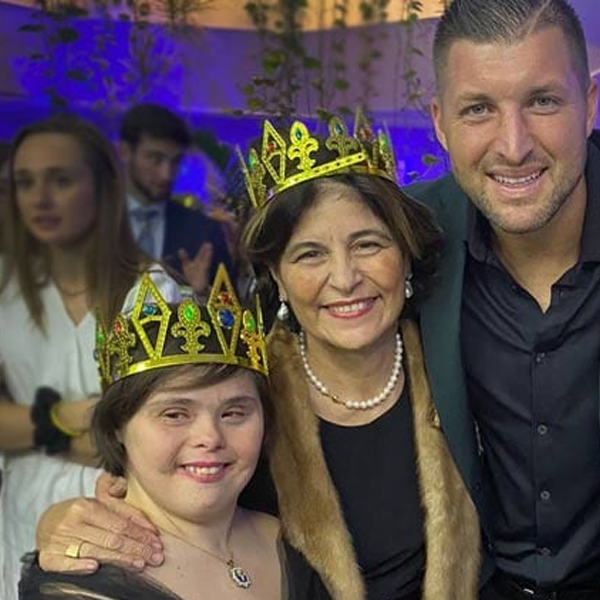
(545, 495)
(542, 429)
(539, 357)
(544, 551)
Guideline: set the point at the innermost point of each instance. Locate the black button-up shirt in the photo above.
(533, 381)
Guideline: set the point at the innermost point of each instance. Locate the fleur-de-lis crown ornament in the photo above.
(159, 334)
(285, 160)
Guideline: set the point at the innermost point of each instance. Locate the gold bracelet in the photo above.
(72, 433)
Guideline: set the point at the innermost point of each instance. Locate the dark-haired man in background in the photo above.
(153, 141)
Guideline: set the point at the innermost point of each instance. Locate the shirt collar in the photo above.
(590, 248)
(478, 235)
(133, 204)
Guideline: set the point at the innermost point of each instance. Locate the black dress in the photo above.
(373, 468)
(114, 583)
(107, 583)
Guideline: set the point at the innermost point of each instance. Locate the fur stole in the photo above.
(310, 510)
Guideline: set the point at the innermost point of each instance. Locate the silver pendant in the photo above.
(238, 575)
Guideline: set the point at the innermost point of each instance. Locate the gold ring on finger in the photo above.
(73, 550)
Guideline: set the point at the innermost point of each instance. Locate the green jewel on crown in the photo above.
(220, 331)
(285, 161)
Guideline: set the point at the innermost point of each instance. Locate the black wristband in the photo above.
(46, 434)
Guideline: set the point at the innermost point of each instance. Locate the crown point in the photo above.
(297, 156)
(120, 350)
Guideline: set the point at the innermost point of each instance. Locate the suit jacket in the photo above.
(189, 228)
(440, 317)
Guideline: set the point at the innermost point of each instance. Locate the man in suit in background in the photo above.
(153, 141)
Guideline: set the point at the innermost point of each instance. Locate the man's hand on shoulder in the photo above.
(78, 535)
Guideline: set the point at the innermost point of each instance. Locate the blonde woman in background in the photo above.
(67, 257)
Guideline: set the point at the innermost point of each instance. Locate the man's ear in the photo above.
(435, 110)
(592, 106)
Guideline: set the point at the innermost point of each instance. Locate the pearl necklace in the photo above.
(355, 404)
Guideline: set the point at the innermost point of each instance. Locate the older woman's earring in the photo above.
(408, 287)
(283, 312)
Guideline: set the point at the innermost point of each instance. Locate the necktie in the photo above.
(145, 218)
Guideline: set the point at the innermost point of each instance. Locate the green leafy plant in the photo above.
(54, 26)
(372, 13)
(59, 64)
(297, 75)
(284, 60)
(290, 72)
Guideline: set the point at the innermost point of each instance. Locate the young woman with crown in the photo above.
(370, 500)
(182, 419)
(66, 252)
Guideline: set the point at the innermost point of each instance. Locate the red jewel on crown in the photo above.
(366, 132)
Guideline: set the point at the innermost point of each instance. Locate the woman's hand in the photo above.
(97, 530)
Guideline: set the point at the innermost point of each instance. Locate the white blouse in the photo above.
(60, 357)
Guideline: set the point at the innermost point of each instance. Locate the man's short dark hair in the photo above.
(508, 21)
(155, 121)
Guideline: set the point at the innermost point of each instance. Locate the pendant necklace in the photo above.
(236, 573)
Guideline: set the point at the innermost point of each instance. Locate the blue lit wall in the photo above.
(197, 74)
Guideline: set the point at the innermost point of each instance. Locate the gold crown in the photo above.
(221, 331)
(281, 164)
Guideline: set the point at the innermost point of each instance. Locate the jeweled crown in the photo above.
(283, 161)
(159, 334)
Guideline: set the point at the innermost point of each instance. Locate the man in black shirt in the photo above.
(511, 335)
